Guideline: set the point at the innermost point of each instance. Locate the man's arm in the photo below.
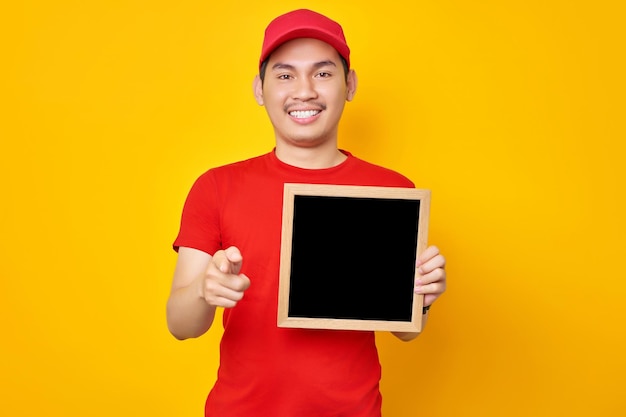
(408, 336)
(201, 283)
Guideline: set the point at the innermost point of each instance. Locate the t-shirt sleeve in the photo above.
(200, 220)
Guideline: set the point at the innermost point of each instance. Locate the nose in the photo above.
(304, 89)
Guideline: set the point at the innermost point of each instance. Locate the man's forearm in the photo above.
(188, 314)
(408, 336)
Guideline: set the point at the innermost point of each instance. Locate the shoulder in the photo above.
(233, 169)
(256, 161)
(379, 175)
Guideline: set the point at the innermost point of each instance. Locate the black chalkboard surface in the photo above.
(348, 257)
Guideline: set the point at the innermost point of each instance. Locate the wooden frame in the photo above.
(348, 257)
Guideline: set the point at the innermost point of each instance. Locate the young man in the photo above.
(229, 242)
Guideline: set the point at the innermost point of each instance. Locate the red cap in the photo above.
(304, 23)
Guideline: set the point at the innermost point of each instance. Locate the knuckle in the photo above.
(244, 283)
(239, 285)
(431, 289)
(440, 274)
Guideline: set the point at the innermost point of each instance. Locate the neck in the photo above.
(310, 158)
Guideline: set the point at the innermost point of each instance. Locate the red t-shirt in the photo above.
(266, 370)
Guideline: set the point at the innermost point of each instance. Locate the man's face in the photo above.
(304, 92)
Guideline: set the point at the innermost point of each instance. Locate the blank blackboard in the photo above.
(348, 257)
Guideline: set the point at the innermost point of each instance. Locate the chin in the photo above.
(307, 139)
(306, 142)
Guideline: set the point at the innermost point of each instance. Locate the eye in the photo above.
(284, 76)
(324, 74)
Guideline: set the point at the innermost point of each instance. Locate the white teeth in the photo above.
(303, 114)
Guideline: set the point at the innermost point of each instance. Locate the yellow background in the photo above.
(511, 112)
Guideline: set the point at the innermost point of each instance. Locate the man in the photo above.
(229, 242)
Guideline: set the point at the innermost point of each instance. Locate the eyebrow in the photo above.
(290, 67)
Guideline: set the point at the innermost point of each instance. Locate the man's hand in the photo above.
(222, 285)
(431, 275)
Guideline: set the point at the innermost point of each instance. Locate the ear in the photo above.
(257, 88)
(352, 82)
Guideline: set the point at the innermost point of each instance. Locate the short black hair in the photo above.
(263, 68)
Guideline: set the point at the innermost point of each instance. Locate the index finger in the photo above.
(228, 261)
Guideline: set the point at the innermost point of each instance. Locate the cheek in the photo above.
(338, 99)
(336, 95)
(274, 100)
(273, 107)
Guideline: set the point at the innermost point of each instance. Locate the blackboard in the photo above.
(348, 257)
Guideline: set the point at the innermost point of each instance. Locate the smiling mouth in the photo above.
(303, 114)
